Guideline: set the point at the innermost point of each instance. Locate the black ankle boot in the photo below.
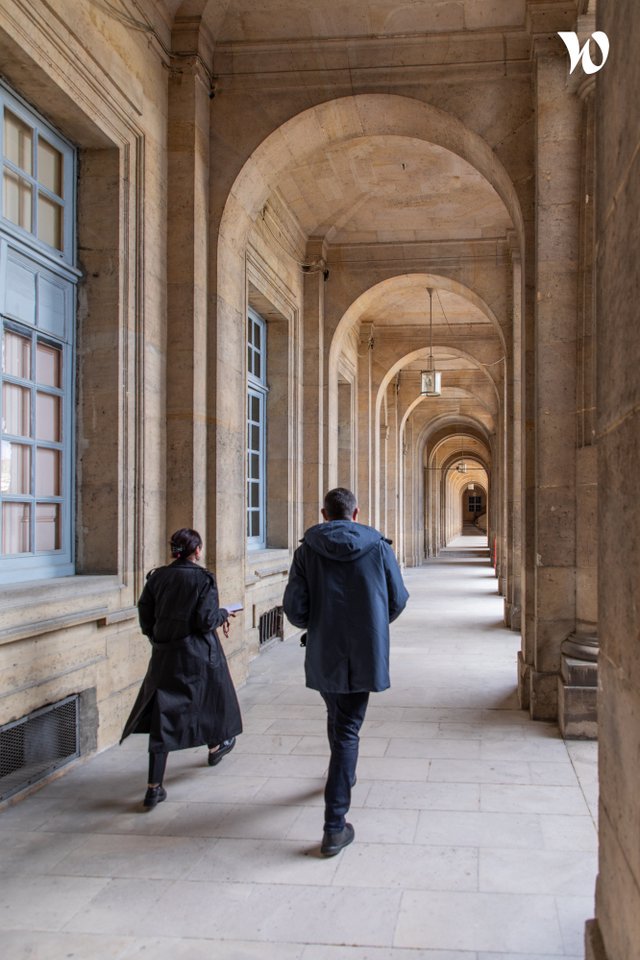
(154, 796)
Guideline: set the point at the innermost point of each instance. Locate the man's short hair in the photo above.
(340, 503)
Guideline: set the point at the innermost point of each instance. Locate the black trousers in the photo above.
(158, 765)
(345, 716)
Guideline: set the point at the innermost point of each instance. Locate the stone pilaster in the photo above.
(314, 454)
(366, 424)
(557, 211)
(187, 290)
(513, 599)
(578, 682)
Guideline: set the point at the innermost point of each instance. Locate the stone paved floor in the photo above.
(475, 837)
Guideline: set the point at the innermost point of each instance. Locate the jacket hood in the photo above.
(342, 539)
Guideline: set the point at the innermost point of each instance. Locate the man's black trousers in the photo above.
(345, 715)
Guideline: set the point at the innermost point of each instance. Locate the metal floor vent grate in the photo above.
(34, 746)
(271, 625)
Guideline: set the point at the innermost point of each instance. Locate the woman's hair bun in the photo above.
(184, 542)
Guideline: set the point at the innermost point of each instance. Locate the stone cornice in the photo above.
(419, 253)
(447, 54)
(441, 333)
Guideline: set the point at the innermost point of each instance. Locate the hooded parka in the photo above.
(345, 587)
(187, 697)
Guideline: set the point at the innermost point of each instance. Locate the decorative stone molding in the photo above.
(581, 647)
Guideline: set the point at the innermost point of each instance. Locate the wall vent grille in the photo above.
(36, 745)
(271, 625)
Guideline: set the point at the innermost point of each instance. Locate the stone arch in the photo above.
(334, 121)
(352, 316)
(404, 361)
(433, 524)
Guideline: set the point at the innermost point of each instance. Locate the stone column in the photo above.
(578, 682)
(313, 365)
(187, 270)
(557, 217)
(513, 363)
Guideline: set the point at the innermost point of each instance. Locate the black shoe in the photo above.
(215, 756)
(333, 843)
(153, 796)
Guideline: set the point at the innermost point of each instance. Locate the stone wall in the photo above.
(616, 934)
(104, 87)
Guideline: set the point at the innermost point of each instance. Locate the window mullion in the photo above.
(34, 449)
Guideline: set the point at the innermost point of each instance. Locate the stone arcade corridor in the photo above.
(475, 836)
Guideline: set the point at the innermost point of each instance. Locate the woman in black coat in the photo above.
(187, 697)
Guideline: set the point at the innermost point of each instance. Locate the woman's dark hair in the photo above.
(340, 503)
(184, 542)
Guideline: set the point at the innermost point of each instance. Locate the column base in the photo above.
(578, 687)
(512, 616)
(593, 943)
(543, 695)
(507, 613)
(578, 699)
(524, 669)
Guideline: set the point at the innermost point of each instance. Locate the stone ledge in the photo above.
(267, 563)
(35, 608)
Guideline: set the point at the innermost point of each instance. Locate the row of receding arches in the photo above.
(402, 455)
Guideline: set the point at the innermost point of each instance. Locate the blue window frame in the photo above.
(256, 430)
(37, 330)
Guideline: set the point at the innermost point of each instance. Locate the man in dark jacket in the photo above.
(345, 588)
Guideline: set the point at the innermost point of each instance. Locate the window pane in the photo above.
(47, 417)
(15, 527)
(16, 410)
(18, 142)
(255, 524)
(47, 365)
(49, 222)
(257, 336)
(254, 495)
(255, 409)
(17, 200)
(249, 359)
(254, 442)
(16, 355)
(47, 526)
(47, 472)
(49, 167)
(254, 466)
(15, 474)
(257, 366)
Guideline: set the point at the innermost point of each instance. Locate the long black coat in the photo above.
(187, 697)
(345, 587)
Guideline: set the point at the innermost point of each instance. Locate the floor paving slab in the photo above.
(475, 835)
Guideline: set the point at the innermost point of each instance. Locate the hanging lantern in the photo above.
(430, 379)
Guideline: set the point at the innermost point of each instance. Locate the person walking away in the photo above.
(187, 697)
(345, 588)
